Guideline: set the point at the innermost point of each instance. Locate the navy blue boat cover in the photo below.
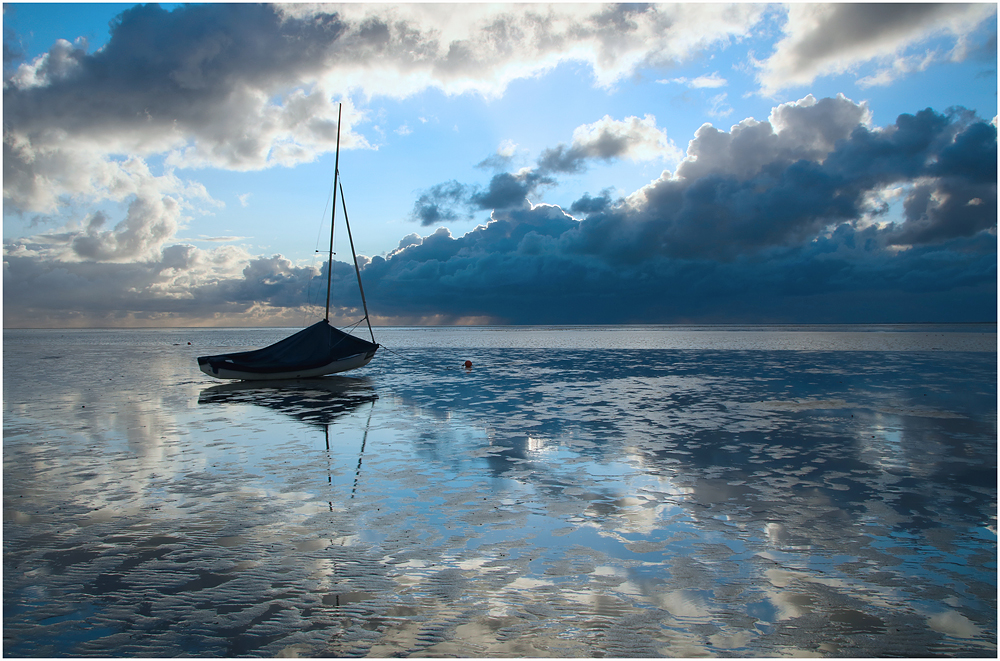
(315, 346)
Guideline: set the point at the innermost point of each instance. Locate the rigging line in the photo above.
(317, 251)
(347, 334)
(414, 360)
(356, 268)
(322, 218)
(308, 306)
(354, 325)
(364, 439)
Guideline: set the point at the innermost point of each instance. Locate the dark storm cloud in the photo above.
(607, 140)
(525, 274)
(951, 161)
(768, 222)
(163, 66)
(193, 75)
(452, 200)
(947, 163)
(772, 221)
(604, 140)
(589, 205)
(572, 159)
(523, 277)
(506, 190)
(441, 203)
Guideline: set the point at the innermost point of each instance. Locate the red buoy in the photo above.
(468, 364)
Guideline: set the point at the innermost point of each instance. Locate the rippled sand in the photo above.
(548, 502)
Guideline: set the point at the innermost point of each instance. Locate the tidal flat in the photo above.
(579, 492)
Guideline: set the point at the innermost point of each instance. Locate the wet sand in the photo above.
(568, 500)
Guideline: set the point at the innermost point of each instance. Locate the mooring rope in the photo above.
(414, 360)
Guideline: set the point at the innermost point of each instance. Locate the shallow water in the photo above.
(636, 491)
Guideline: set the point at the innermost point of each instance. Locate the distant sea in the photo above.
(613, 491)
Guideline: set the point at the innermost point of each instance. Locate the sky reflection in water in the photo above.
(565, 501)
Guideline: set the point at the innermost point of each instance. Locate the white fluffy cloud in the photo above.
(805, 129)
(247, 87)
(401, 49)
(709, 81)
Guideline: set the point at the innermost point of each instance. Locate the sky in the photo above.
(172, 165)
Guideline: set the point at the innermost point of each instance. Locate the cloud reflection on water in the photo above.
(546, 503)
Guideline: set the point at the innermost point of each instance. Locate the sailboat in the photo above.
(315, 351)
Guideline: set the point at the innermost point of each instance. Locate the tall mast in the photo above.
(333, 217)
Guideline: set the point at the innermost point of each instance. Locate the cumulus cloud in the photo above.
(157, 206)
(807, 129)
(482, 48)
(246, 87)
(229, 86)
(758, 218)
(503, 158)
(814, 165)
(784, 219)
(42, 290)
(453, 200)
(604, 140)
(832, 39)
(607, 139)
(801, 198)
(181, 284)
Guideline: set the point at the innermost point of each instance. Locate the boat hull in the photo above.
(340, 365)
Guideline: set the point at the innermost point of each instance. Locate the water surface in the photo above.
(597, 491)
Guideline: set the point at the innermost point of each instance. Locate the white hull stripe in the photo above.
(342, 365)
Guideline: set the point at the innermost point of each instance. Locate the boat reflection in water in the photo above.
(317, 402)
